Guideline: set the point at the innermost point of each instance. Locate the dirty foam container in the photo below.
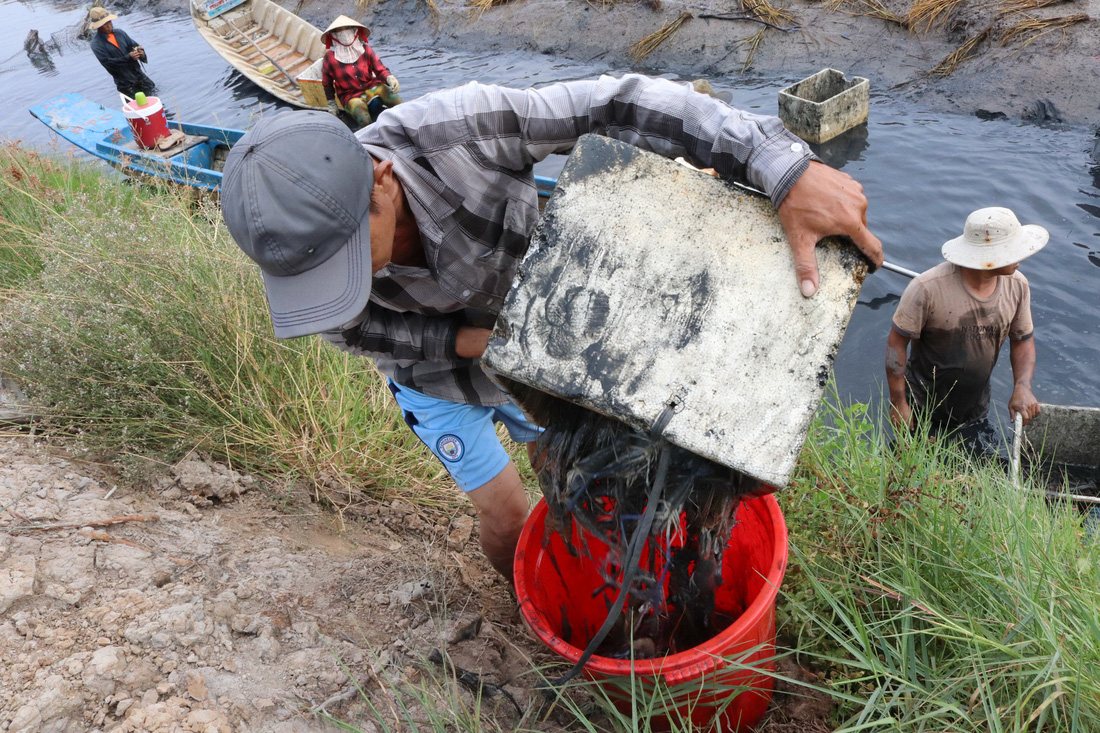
(147, 121)
(723, 684)
(650, 285)
(822, 106)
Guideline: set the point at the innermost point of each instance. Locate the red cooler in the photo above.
(147, 121)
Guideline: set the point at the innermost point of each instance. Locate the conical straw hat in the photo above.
(343, 22)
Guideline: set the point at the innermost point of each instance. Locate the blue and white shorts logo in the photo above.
(450, 447)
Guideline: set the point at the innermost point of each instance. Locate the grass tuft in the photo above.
(938, 595)
(649, 44)
(135, 323)
(1028, 30)
(962, 53)
(929, 14)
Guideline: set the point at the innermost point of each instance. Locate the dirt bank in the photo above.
(205, 601)
(1054, 77)
(1044, 74)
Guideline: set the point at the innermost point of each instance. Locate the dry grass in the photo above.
(649, 44)
(1022, 6)
(1032, 28)
(869, 9)
(929, 14)
(753, 44)
(768, 13)
(962, 53)
(480, 6)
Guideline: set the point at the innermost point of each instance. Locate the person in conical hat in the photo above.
(120, 55)
(953, 320)
(353, 75)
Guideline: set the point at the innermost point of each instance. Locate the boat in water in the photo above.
(196, 159)
(271, 46)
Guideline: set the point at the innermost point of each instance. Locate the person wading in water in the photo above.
(120, 55)
(953, 320)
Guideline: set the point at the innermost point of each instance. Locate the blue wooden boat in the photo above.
(195, 161)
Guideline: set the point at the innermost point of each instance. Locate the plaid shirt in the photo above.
(464, 159)
(347, 80)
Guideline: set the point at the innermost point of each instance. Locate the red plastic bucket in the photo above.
(561, 601)
(147, 122)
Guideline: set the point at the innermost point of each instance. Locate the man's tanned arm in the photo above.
(1022, 355)
(897, 348)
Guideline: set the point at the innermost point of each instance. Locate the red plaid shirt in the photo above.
(347, 80)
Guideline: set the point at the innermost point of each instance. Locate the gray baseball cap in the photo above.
(295, 195)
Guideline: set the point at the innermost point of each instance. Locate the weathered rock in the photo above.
(17, 580)
(103, 671)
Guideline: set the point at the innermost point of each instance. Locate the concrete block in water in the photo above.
(648, 284)
(1067, 434)
(822, 106)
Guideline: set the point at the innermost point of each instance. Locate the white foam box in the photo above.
(650, 285)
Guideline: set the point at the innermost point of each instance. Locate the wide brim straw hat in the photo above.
(342, 22)
(994, 238)
(98, 17)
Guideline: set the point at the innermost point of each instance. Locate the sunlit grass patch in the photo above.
(139, 327)
(940, 596)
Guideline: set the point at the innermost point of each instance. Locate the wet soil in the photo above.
(1049, 76)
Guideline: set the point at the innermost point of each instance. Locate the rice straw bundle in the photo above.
(753, 42)
(1033, 28)
(767, 12)
(962, 53)
(870, 9)
(649, 44)
(480, 6)
(930, 13)
(1021, 6)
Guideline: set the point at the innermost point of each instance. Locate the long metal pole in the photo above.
(899, 269)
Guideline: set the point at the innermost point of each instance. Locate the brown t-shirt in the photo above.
(956, 338)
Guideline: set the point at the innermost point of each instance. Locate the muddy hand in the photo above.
(1023, 402)
(822, 203)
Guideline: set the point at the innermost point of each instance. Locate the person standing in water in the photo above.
(120, 55)
(953, 319)
(353, 74)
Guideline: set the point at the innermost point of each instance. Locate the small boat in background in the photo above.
(196, 159)
(274, 48)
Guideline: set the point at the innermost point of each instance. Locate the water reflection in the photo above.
(923, 174)
(845, 148)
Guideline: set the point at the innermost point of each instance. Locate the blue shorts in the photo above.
(463, 437)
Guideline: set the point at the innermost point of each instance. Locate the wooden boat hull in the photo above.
(105, 133)
(271, 46)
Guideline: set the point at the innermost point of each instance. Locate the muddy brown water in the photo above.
(922, 172)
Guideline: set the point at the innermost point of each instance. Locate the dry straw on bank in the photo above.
(768, 13)
(753, 44)
(962, 53)
(649, 44)
(867, 8)
(929, 14)
(1032, 28)
(1022, 6)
